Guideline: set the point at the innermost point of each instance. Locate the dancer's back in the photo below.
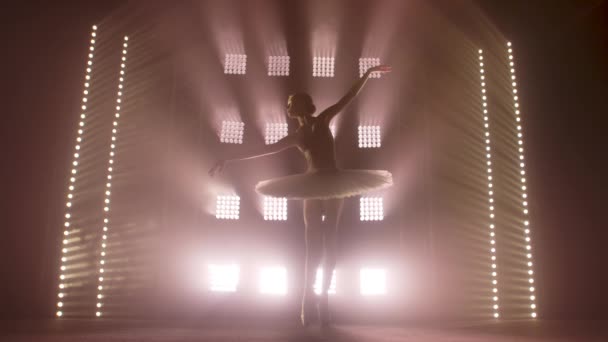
(316, 142)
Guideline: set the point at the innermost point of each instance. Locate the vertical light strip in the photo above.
(71, 188)
(524, 194)
(106, 208)
(486, 125)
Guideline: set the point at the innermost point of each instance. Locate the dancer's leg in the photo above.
(333, 211)
(313, 209)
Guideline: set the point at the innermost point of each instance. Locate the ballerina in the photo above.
(322, 188)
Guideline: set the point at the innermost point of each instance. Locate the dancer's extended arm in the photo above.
(256, 151)
(333, 110)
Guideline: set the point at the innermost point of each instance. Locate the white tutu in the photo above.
(326, 184)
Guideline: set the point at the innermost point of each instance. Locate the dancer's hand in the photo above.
(380, 69)
(217, 168)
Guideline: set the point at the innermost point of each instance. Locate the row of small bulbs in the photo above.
(486, 124)
(72, 187)
(236, 64)
(524, 195)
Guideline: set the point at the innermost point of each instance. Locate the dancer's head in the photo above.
(300, 105)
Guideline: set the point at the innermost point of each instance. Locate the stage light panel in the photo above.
(223, 278)
(318, 285)
(275, 132)
(323, 66)
(232, 132)
(278, 66)
(371, 209)
(273, 281)
(74, 170)
(235, 64)
(110, 169)
(275, 208)
(373, 281)
(366, 63)
(369, 137)
(524, 195)
(227, 207)
(492, 234)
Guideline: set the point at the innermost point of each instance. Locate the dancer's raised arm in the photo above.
(333, 110)
(255, 152)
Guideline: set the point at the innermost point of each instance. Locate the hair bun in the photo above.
(305, 100)
(311, 108)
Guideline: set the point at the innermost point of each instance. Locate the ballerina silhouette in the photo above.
(322, 187)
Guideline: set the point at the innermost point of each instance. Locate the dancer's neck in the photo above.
(303, 120)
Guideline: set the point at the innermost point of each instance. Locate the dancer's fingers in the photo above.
(381, 68)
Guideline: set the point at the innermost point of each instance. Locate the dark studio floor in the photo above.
(153, 331)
